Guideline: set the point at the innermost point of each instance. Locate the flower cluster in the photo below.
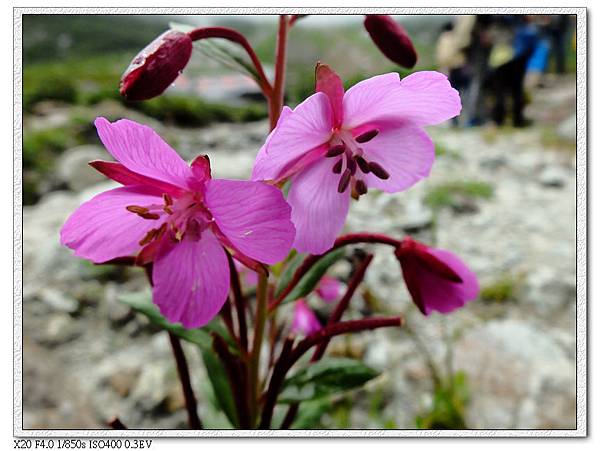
(332, 147)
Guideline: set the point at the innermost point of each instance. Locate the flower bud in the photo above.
(436, 279)
(157, 66)
(391, 38)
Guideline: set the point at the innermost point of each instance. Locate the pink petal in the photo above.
(305, 321)
(329, 289)
(405, 152)
(191, 280)
(262, 170)
(141, 150)
(318, 210)
(101, 229)
(424, 98)
(254, 216)
(119, 173)
(329, 83)
(438, 293)
(307, 127)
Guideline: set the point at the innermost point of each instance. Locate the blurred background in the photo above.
(501, 196)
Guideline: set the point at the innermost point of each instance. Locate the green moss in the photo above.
(501, 290)
(446, 194)
(448, 407)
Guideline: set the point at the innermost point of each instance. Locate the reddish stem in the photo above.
(237, 380)
(239, 301)
(341, 307)
(344, 240)
(238, 38)
(276, 99)
(184, 376)
(287, 361)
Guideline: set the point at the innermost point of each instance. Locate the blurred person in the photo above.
(515, 40)
(477, 52)
(450, 56)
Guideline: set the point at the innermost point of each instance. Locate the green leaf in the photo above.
(288, 272)
(324, 378)
(310, 413)
(142, 303)
(314, 275)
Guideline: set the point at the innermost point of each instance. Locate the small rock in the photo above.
(123, 381)
(60, 329)
(73, 169)
(567, 129)
(553, 177)
(58, 300)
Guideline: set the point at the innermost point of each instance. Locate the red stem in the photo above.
(341, 307)
(276, 99)
(238, 38)
(336, 315)
(184, 376)
(310, 341)
(344, 240)
(240, 303)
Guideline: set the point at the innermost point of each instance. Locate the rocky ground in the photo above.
(86, 357)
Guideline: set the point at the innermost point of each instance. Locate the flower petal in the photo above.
(318, 209)
(254, 216)
(262, 170)
(330, 83)
(435, 293)
(329, 289)
(305, 321)
(101, 229)
(424, 98)
(191, 280)
(141, 150)
(119, 173)
(306, 127)
(406, 153)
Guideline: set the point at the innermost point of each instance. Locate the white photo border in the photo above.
(581, 233)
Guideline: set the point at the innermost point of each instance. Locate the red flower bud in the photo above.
(436, 279)
(157, 66)
(392, 40)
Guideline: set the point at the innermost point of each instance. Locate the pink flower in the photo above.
(436, 279)
(305, 321)
(178, 217)
(370, 136)
(329, 289)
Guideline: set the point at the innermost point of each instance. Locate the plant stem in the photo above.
(254, 364)
(344, 240)
(240, 303)
(116, 424)
(342, 305)
(184, 377)
(238, 38)
(276, 98)
(310, 341)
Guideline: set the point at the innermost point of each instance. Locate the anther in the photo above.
(335, 150)
(168, 199)
(378, 171)
(366, 136)
(351, 165)
(137, 210)
(149, 237)
(149, 215)
(362, 164)
(344, 181)
(361, 187)
(337, 168)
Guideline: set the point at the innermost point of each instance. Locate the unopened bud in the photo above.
(157, 66)
(391, 38)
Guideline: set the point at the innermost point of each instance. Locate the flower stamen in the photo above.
(366, 136)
